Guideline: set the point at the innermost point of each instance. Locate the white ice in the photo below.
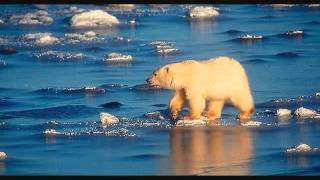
(93, 18)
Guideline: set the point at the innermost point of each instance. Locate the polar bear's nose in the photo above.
(147, 80)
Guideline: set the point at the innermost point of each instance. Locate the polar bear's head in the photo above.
(161, 77)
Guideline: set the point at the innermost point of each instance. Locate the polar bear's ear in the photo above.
(166, 69)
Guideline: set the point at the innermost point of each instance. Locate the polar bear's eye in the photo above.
(155, 74)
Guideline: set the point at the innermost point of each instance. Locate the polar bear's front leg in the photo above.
(176, 104)
(196, 106)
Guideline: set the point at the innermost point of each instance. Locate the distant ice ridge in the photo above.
(164, 47)
(38, 17)
(302, 148)
(203, 12)
(3, 156)
(117, 57)
(282, 5)
(60, 56)
(41, 38)
(94, 18)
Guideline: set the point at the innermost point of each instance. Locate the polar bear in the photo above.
(215, 81)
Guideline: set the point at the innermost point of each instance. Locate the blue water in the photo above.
(35, 94)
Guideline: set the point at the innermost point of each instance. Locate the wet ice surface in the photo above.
(52, 92)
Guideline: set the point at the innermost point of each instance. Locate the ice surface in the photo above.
(252, 123)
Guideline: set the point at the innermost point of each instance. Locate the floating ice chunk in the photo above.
(94, 18)
(305, 113)
(302, 148)
(75, 9)
(252, 123)
(154, 115)
(317, 94)
(107, 118)
(116, 57)
(203, 12)
(294, 33)
(1, 21)
(77, 37)
(60, 56)
(283, 112)
(3, 156)
(194, 122)
(131, 22)
(51, 132)
(250, 37)
(167, 50)
(38, 17)
(35, 36)
(46, 40)
(164, 47)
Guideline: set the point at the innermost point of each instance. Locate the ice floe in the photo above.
(77, 37)
(107, 118)
(38, 17)
(294, 33)
(3, 156)
(75, 9)
(250, 37)
(41, 38)
(306, 113)
(117, 57)
(1, 21)
(94, 18)
(251, 123)
(58, 55)
(283, 112)
(163, 47)
(154, 115)
(203, 12)
(302, 148)
(51, 132)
